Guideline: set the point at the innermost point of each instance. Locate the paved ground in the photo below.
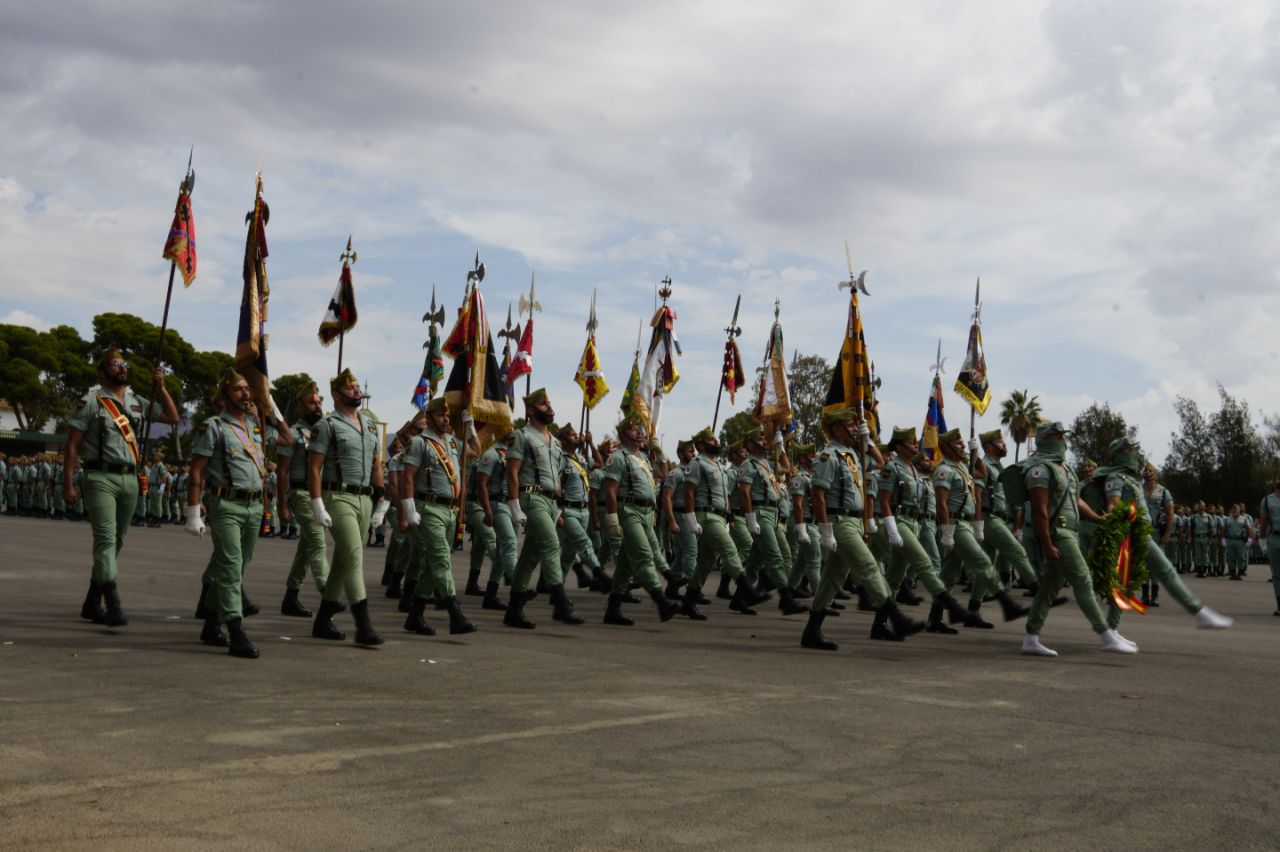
(721, 734)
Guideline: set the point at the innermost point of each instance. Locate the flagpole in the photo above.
(474, 277)
(973, 413)
(187, 185)
(732, 331)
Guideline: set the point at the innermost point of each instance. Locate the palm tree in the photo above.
(1019, 414)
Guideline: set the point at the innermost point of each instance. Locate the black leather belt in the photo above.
(108, 467)
(359, 490)
(768, 504)
(235, 494)
(428, 497)
(636, 501)
(534, 489)
(574, 504)
(715, 512)
(845, 513)
(905, 512)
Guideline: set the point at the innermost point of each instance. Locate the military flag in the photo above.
(972, 383)
(432, 371)
(773, 402)
(251, 336)
(474, 383)
(522, 361)
(851, 377)
(935, 422)
(732, 376)
(590, 375)
(659, 374)
(180, 246)
(340, 317)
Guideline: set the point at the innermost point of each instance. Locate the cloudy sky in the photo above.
(1107, 168)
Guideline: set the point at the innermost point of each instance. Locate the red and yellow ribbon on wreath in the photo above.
(1120, 595)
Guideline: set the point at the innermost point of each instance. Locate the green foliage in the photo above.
(1093, 429)
(735, 427)
(42, 373)
(1105, 551)
(1221, 457)
(1019, 414)
(286, 388)
(807, 378)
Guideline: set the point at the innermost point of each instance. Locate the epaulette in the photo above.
(203, 427)
(825, 455)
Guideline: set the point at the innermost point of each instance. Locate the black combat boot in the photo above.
(114, 616)
(292, 606)
(202, 609)
(1010, 608)
(473, 584)
(956, 613)
(902, 625)
(514, 616)
(247, 607)
(880, 628)
(667, 608)
(973, 617)
(746, 597)
(907, 597)
(788, 604)
(417, 621)
(613, 612)
(406, 595)
(458, 622)
(812, 636)
(211, 633)
(723, 590)
(323, 627)
(491, 600)
(601, 581)
(239, 644)
(394, 588)
(365, 634)
(562, 607)
(864, 601)
(583, 575)
(935, 622)
(689, 606)
(92, 609)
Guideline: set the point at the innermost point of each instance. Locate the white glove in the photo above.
(1017, 534)
(777, 439)
(322, 514)
(828, 532)
(864, 431)
(410, 511)
(379, 512)
(691, 518)
(613, 525)
(802, 534)
(469, 423)
(517, 514)
(974, 448)
(871, 526)
(753, 526)
(979, 530)
(948, 535)
(891, 530)
(195, 523)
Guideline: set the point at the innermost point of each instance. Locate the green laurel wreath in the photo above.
(1105, 551)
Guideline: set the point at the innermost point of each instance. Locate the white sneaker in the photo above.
(1207, 619)
(1114, 642)
(1031, 645)
(1126, 639)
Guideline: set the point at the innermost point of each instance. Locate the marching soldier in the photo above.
(1269, 530)
(1056, 507)
(575, 495)
(1236, 532)
(491, 502)
(103, 433)
(837, 500)
(294, 501)
(684, 543)
(345, 480)
(760, 494)
(1161, 512)
(1201, 532)
(961, 524)
(402, 553)
(229, 449)
(156, 492)
(998, 539)
(807, 567)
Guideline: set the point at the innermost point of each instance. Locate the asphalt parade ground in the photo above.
(721, 734)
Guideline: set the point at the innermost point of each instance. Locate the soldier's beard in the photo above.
(348, 401)
(312, 419)
(546, 418)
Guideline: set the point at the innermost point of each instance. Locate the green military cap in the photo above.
(950, 436)
(684, 444)
(437, 404)
(901, 434)
(752, 431)
(309, 390)
(804, 449)
(229, 378)
(704, 434)
(1120, 444)
(843, 415)
(630, 418)
(540, 395)
(111, 354)
(343, 379)
(1091, 462)
(883, 448)
(988, 437)
(1050, 427)
(564, 430)
(737, 445)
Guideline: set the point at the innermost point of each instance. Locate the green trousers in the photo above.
(851, 557)
(40, 500)
(686, 549)
(1162, 572)
(928, 537)
(155, 504)
(109, 499)
(1273, 560)
(765, 554)
(484, 540)
(541, 542)
(233, 526)
(784, 548)
(1237, 556)
(1070, 567)
(639, 552)
(910, 558)
(1200, 551)
(310, 553)
(350, 514)
(742, 540)
(808, 558)
(575, 544)
(432, 570)
(998, 539)
(968, 555)
(715, 543)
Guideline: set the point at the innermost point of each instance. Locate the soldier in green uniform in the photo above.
(576, 549)
(1236, 531)
(1201, 532)
(998, 539)
(630, 492)
(603, 544)
(1269, 531)
(807, 567)
(1124, 463)
(431, 487)
(229, 449)
(294, 500)
(56, 499)
(155, 491)
(1056, 507)
(928, 502)
(12, 485)
(1161, 512)
(899, 498)
(684, 540)
(345, 482)
(705, 500)
(760, 493)
(102, 432)
(961, 523)
(837, 501)
(533, 479)
(491, 501)
(403, 549)
(742, 538)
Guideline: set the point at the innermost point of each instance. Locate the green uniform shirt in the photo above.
(296, 452)
(993, 501)
(1236, 529)
(596, 478)
(493, 464)
(436, 458)
(575, 482)
(1201, 525)
(632, 473)
(710, 485)
(539, 459)
(1269, 508)
(900, 481)
(237, 458)
(764, 485)
(349, 451)
(836, 471)
(1063, 488)
(102, 439)
(731, 483)
(1127, 488)
(801, 485)
(928, 497)
(1157, 502)
(952, 476)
